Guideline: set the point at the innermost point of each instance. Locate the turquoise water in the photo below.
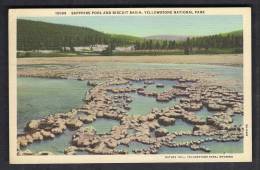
(103, 125)
(56, 145)
(132, 146)
(59, 143)
(179, 126)
(237, 119)
(186, 138)
(39, 97)
(142, 105)
(225, 147)
(168, 84)
(225, 73)
(215, 147)
(131, 131)
(204, 113)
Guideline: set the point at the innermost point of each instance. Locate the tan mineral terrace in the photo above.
(219, 59)
(105, 100)
(100, 104)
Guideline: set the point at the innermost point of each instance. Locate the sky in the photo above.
(141, 26)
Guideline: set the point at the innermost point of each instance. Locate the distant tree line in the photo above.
(36, 35)
(231, 40)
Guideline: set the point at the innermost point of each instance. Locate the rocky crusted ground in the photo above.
(106, 100)
(97, 71)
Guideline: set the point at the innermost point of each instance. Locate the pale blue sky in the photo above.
(153, 25)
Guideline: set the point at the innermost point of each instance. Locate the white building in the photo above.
(65, 48)
(39, 51)
(125, 49)
(87, 48)
(99, 47)
(94, 48)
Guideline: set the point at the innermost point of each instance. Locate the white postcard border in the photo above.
(246, 156)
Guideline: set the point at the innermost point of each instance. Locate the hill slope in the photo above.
(167, 37)
(36, 35)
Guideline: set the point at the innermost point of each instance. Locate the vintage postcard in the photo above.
(130, 85)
